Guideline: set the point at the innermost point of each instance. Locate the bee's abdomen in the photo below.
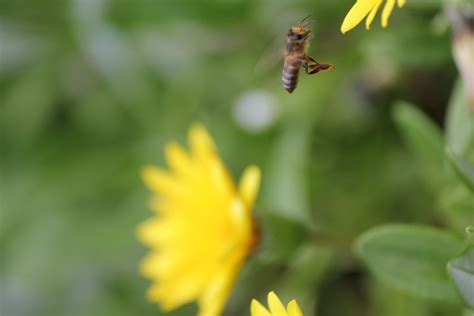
(289, 76)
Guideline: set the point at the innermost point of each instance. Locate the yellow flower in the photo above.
(276, 307)
(368, 8)
(203, 228)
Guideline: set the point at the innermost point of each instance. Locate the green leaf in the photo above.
(285, 187)
(459, 121)
(412, 259)
(463, 169)
(423, 137)
(462, 273)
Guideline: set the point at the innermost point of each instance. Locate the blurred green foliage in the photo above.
(462, 272)
(91, 91)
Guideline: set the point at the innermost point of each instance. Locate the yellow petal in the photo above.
(357, 13)
(219, 178)
(249, 185)
(372, 14)
(256, 309)
(160, 230)
(169, 299)
(275, 305)
(178, 159)
(182, 287)
(165, 206)
(294, 309)
(161, 181)
(201, 142)
(148, 266)
(401, 3)
(153, 294)
(152, 177)
(218, 290)
(387, 10)
(165, 265)
(149, 231)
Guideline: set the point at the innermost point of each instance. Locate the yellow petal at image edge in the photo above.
(387, 10)
(294, 309)
(371, 16)
(275, 305)
(256, 309)
(357, 13)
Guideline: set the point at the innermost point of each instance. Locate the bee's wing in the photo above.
(307, 21)
(268, 61)
(272, 55)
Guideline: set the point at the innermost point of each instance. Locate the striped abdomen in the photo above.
(289, 76)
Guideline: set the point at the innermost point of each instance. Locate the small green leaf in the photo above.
(462, 273)
(412, 259)
(459, 121)
(423, 137)
(463, 169)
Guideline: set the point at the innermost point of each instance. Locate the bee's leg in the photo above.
(311, 66)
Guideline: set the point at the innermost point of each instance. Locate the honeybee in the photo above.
(296, 56)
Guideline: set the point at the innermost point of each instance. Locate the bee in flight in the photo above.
(296, 56)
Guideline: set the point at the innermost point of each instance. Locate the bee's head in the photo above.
(298, 33)
(301, 32)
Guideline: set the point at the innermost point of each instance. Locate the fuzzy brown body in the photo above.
(296, 56)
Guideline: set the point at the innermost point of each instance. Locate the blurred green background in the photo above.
(91, 90)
